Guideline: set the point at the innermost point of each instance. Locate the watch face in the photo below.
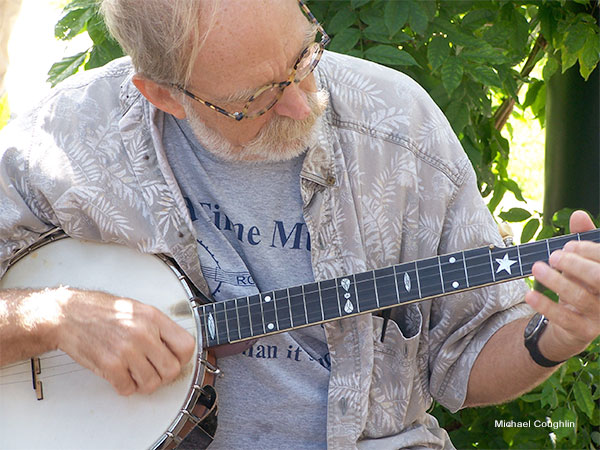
(533, 324)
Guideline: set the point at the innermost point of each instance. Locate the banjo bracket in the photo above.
(36, 369)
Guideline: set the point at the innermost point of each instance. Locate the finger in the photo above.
(115, 371)
(577, 267)
(144, 374)
(165, 363)
(181, 343)
(580, 222)
(566, 318)
(587, 249)
(569, 291)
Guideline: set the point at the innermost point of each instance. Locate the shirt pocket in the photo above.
(396, 397)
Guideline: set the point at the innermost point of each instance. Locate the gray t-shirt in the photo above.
(252, 237)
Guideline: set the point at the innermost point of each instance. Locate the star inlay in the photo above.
(504, 264)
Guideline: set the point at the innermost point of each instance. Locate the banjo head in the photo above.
(80, 409)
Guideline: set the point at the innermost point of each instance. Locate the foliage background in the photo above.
(476, 59)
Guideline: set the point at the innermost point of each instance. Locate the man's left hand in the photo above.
(574, 274)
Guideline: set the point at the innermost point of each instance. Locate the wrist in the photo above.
(556, 346)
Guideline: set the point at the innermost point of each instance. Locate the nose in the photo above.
(293, 103)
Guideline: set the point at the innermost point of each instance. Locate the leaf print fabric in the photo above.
(386, 182)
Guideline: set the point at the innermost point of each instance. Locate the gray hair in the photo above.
(161, 36)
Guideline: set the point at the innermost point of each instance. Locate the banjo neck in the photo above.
(244, 318)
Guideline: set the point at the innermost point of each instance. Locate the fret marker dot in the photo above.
(270, 326)
(267, 299)
(455, 284)
(452, 259)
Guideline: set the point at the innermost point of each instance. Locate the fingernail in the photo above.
(539, 269)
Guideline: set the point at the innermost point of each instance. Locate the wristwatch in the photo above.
(534, 329)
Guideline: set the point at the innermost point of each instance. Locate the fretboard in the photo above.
(244, 318)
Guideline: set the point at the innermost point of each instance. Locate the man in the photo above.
(229, 156)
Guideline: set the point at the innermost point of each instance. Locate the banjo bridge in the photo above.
(36, 369)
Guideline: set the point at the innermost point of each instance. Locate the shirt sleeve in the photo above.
(461, 324)
(22, 218)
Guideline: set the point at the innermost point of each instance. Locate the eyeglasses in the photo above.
(267, 96)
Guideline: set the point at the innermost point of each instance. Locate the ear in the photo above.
(159, 96)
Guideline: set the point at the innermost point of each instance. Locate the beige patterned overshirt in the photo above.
(386, 182)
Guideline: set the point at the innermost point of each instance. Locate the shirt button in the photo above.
(180, 234)
(331, 181)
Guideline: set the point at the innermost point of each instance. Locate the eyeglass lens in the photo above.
(269, 97)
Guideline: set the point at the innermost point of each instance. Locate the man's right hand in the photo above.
(134, 346)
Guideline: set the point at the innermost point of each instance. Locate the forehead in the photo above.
(250, 43)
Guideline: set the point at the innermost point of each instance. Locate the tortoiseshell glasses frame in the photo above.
(305, 64)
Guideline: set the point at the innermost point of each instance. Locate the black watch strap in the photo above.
(533, 331)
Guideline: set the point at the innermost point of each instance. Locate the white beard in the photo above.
(280, 139)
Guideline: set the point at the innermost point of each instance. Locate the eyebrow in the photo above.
(245, 94)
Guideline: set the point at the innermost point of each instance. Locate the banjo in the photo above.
(67, 406)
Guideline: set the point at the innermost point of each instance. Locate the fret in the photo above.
(454, 273)
(418, 280)
(439, 261)
(465, 268)
(429, 277)
(221, 320)
(531, 253)
(347, 295)
(203, 329)
(519, 258)
(312, 300)
(479, 270)
(211, 327)
(504, 263)
(365, 291)
(559, 242)
(256, 315)
(329, 297)
(269, 313)
(489, 253)
(244, 318)
(297, 306)
(233, 327)
(385, 286)
(282, 309)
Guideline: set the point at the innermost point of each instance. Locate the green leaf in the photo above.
(549, 396)
(515, 215)
(583, 398)
(396, 15)
(576, 37)
(532, 93)
(66, 67)
(529, 230)
(452, 73)
(567, 59)
(458, 115)
(547, 232)
(376, 33)
(550, 68)
(73, 23)
(566, 416)
(388, 54)
(484, 53)
(512, 185)
(345, 40)
(358, 3)
(343, 19)
(437, 52)
(418, 19)
(588, 58)
(485, 75)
